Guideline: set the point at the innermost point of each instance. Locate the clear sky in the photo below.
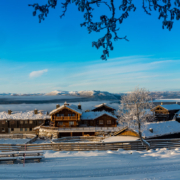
(58, 55)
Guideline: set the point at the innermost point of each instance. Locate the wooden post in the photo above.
(71, 134)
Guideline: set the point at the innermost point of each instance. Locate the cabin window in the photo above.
(101, 122)
(108, 121)
(21, 122)
(57, 115)
(21, 129)
(12, 129)
(26, 122)
(71, 123)
(73, 114)
(30, 129)
(12, 122)
(69, 114)
(31, 122)
(25, 129)
(3, 129)
(60, 123)
(3, 122)
(40, 122)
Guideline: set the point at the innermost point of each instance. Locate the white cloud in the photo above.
(37, 73)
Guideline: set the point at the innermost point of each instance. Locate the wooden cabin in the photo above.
(165, 112)
(98, 119)
(22, 122)
(66, 115)
(103, 107)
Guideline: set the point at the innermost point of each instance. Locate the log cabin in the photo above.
(98, 119)
(72, 116)
(66, 115)
(165, 112)
(103, 107)
(22, 122)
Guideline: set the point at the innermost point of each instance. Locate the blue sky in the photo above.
(57, 54)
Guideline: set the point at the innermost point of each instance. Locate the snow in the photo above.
(70, 106)
(171, 106)
(13, 141)
(159, 164)
(81, 93)
(103, 104)
(178, 114)
(93, 115)
(120, 139)
(23, 115)
(161, 128)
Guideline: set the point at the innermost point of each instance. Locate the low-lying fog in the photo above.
(50, 106)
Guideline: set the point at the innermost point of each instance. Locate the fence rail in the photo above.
(90, 146)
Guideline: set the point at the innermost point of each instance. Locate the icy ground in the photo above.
(13, 141)
(98, 165)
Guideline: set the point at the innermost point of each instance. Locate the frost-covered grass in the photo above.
(99, 165)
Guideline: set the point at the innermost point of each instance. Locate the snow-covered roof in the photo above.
(71, 106)
(24, 115)
(161, 128)
(171, 106)
(93, 115)
(158, 129)
(101, 105)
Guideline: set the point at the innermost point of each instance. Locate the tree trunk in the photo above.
(144, 142)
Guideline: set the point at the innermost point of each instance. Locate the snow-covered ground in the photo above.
(40, 141)
(13, 141)
(99, 165)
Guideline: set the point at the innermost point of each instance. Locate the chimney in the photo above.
(57, 106)
(79, 106)
(161, 103)
(151, 130)
(66, 104)
(35, 111)
(9, 112)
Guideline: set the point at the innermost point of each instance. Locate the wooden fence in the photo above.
(90, 146)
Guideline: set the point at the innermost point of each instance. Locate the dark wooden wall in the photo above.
(96, 122)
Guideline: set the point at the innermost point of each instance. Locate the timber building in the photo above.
(72, 116)
(165, 112)
(22, 122)
(65, 118)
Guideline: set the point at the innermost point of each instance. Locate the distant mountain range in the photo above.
(94, 94)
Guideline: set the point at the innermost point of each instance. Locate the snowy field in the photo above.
(13, 141)
(99, 165)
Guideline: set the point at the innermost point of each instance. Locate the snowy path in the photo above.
(161, 164)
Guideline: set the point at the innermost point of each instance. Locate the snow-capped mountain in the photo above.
(93, 93)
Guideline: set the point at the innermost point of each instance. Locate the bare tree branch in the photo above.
(168, 11)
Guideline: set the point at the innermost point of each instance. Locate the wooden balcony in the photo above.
(66, 118)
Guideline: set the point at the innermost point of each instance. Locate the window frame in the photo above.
(3, 122)
(101, 121)
(30, 121)
(71, 123)
(109, 120)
